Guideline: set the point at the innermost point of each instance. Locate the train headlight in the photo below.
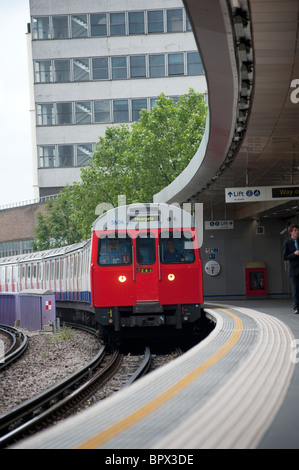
(171, 277)
(122, 278)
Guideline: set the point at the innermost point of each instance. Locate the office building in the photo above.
(95, 64)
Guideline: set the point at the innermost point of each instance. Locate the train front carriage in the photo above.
(146, 269)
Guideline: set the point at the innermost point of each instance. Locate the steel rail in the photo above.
(142, 369)
(46, 417)
(18, 347)
(25, 412)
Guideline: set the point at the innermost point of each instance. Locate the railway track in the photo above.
(63, 399)
(19, 344)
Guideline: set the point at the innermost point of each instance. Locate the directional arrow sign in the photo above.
(261, 193)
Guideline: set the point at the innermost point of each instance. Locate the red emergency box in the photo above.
(256, 279)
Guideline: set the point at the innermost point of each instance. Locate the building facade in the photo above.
(95, 64)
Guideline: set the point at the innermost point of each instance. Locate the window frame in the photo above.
(98, 27)
(74, 27)
(163, 240)
(63, 30)
(136, 24)
(137, 66)
(155, 22)
(118, 28)
(112, 239)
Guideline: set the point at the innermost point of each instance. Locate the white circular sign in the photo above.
(212, 268)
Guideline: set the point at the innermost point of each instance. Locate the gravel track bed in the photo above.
(48, 359)
(130, 364)
(6, 341)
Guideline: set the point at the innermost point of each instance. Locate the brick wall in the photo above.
(18, 223)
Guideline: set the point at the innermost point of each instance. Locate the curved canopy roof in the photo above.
(250, 53)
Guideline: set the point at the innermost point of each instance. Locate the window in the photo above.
(84, 154)
(45, 114)
(112, 251)
(155, 21)
(157, 65)
(119, 67)
(100, 68)
(47, 156)
(153, 102)
(98, 25)
(102, 111)
(62, 70)
(66, 155)
(176, 248)
(194, 65)
(41, 28)
(188, 24)
(137, 66)
(174, 21)
(176, 64)
(120, 111)
(64, 113)
(28, 271)
(60, 27)
(42, 71)
(81, 70)
(137, 106)
(79, 26)
(117, 24)
(83, 112)
(57, 270)
(136, 22)
(146, 249)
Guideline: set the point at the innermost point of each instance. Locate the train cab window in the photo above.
(146, 249)
(176, 248)
(115, 251)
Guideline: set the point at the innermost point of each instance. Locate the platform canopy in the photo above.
(249, 50)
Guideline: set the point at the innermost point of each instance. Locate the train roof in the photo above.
(144, 216)
(38, 255)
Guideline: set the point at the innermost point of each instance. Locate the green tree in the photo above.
(137, 162)
(56, 223)
(165, 139)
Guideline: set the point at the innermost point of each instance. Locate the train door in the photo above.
(147, 269)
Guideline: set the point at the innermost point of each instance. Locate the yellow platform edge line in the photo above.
(119, 427)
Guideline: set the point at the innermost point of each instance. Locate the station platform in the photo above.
(237, 389)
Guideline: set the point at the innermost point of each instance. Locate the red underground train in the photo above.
(146, 269)
(140, 274)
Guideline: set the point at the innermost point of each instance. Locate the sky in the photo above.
(16, 168)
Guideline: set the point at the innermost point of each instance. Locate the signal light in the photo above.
(122, 278)
(171, 277)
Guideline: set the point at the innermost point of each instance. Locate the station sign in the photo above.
(219, 224)
(261, 193)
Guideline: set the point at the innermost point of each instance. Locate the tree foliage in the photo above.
(136, 161)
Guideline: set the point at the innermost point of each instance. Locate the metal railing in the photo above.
(28, 202)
